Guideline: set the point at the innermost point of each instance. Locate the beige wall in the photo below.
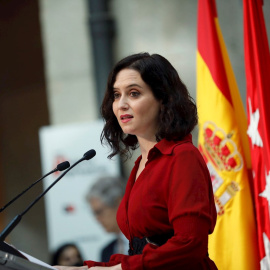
(68, 61)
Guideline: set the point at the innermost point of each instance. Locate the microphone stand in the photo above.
(60, 167)
(88, 155)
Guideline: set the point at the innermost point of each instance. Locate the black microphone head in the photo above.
(63, 166)
(89, 154)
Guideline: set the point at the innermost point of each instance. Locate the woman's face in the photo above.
(70, 257)
(135, 106)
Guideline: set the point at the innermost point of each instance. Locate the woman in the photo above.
(168, 209)
(67, 255)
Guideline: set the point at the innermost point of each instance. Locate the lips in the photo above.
(126, 118)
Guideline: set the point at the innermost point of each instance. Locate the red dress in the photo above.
(172, 193)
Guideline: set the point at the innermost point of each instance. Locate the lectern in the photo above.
(12, 259)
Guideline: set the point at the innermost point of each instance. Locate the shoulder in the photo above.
(187, 153)
(167, 147)
(186, 148)
(183, 147)
(180, 154)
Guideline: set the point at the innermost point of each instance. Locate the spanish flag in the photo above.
(224, 144)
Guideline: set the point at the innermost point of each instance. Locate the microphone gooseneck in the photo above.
(88, 155)
(60, 167)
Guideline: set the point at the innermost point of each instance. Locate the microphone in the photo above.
(60, 167)
(88, 155)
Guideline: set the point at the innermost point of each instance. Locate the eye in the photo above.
(134, 93)
(116, 95)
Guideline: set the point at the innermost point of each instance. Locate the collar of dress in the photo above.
(165, 147)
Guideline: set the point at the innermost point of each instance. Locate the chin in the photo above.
(128, 131)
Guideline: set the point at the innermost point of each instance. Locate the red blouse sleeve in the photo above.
(114, 260)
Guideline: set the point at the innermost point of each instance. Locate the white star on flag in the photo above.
(265, 262)
(253, 131)
(266, 192)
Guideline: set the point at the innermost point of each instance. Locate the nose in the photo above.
(123, 103)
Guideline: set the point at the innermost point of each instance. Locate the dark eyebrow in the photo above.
(134, 84)
(129, 86)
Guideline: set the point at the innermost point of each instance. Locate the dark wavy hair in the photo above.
(57, 254)
(178, 114)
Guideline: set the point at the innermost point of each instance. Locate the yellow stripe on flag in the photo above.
(240, 115)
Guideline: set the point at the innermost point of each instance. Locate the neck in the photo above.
(146, 145)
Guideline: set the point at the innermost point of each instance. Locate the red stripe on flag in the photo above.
(209, 46)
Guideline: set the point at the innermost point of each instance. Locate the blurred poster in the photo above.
(68, 214)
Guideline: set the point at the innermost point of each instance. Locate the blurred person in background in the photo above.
(67, 255)
(104, 198)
